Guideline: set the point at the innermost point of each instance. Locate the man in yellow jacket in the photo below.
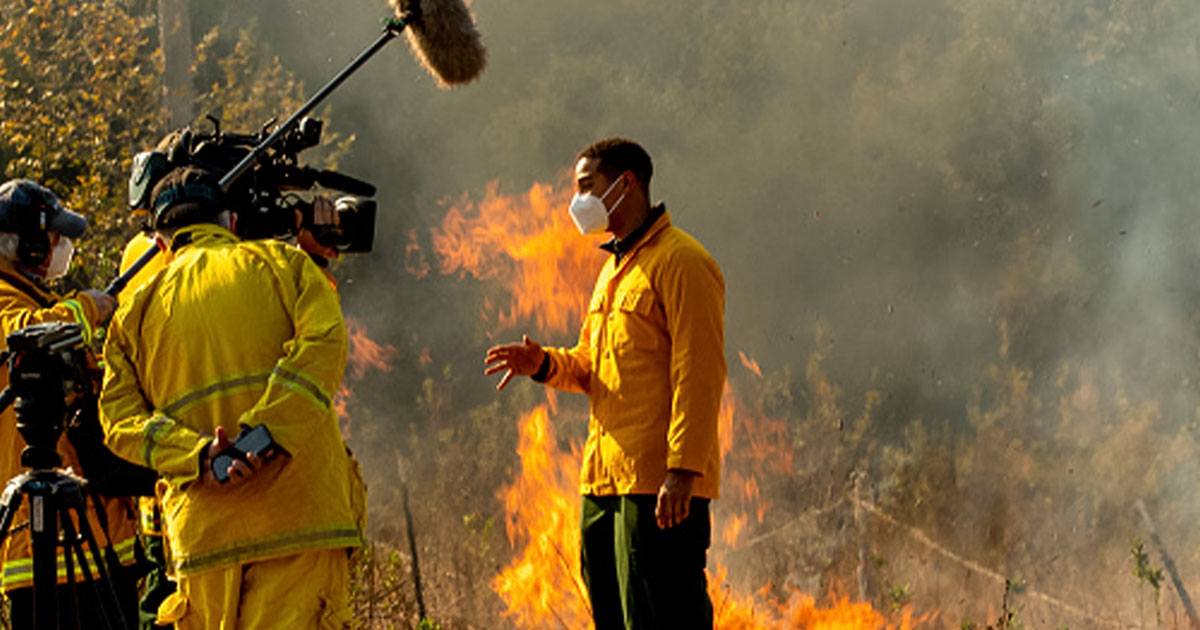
(234, 334)
(155, 584)
(651, 360)
(36, 234)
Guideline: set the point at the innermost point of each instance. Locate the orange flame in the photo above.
(541, 585)
(799, 612)
(542, 588)
(750, 364)
(530, 245)
(340, 401)
(364, 355)
(733, 530)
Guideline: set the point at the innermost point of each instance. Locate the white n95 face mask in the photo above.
(60, 258)
(589, 212)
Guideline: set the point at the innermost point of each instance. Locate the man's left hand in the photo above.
(674, 497)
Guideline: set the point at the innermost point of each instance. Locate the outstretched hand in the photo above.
(520, 359)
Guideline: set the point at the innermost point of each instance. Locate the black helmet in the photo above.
(26, 206)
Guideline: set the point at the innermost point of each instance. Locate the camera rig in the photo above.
(51, 381)
(53, 385)
(265, 198)
(50, 372)
(264, 151)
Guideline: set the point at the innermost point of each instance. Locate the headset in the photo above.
(33, 244)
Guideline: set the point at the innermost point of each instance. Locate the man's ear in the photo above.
(164, 245)
(631, 180)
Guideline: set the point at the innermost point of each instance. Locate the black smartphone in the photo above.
(256, 440)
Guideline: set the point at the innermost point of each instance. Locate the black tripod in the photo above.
(46, 370)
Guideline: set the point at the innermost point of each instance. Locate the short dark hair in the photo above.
(618, 155)
(186, 196)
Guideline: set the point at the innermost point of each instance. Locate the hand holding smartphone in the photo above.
(251, 440)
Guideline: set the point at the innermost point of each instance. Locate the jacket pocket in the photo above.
(595, 319)
(634, 326)
(172, 609)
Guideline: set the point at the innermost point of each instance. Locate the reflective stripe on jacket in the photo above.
(24, 303)
(18, 572)
(232, 333)
(651, 359)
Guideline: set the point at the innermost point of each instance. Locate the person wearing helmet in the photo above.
(260, 539)
(36, 246)
(149, 168)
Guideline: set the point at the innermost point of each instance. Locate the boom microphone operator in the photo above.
(446, 42)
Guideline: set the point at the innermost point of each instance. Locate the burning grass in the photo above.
(1011, 508)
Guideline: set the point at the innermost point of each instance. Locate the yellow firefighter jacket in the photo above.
(232, 333)
(148, 507)
(651, 359)
(24, 302)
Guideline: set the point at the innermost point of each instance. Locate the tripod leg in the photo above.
(111, 598)
(43, 529)
(101, 586)
(72, 551)
(69, 595)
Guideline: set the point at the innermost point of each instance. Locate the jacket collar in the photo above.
(202, 234)
(655, 221)
(28, 283)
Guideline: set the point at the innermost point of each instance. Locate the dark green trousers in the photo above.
(640, 577)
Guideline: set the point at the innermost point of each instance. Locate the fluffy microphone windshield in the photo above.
(443, 36)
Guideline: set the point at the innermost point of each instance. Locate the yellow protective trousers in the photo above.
(309, 590)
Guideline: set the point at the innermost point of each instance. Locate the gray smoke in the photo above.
(955, 191)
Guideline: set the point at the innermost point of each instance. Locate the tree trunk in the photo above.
(175, 35)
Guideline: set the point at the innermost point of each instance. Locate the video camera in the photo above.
(50, 370)
(53, 384)
(265, 198)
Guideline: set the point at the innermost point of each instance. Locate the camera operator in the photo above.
(36, 234)
(156, 586)
(232, 333)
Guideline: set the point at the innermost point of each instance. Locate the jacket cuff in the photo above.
(89, 305)
(86, 314)
(200, 457)
(543, 371)
(677, 461)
